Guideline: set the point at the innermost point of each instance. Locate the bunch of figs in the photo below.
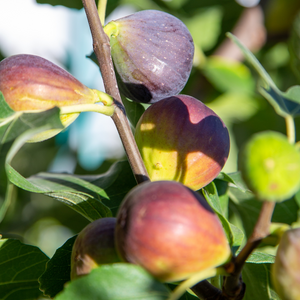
(160, 226)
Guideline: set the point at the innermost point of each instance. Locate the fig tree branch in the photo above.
(102, 50)
(233, 285)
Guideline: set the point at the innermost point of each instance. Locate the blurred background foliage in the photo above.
(220, 78)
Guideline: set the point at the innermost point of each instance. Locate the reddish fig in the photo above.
(286, 269)
(31, 83)
(94, 246)
(153, 55)
(169, 230)
(181, 139)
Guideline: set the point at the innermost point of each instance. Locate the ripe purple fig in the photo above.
(169, 230)
(182, 139)
(31, 83)
(94, 246)
(153, 55)
(286, 269)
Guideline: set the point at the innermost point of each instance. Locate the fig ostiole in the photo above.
(161, 226)
(286, 268)
(181, 139)
(152, 52)
(30, 83)
(93, 247)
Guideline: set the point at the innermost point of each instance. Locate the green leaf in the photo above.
(284, 103)
(208, 23)
(134, 110)
(94, 197)
(5, 110)
(261, 258)
(17, 123)
(120, 281)
(20, 267)
(248, 211)
(257, 280)
(229, 76)
(235, 178)
(58, 270)
(234, 234)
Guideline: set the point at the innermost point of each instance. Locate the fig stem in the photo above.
(102, 10)
(290, 128)
(233, 285)
(103, 97)
(102, 50)
(8, 199)
(191, 281)
(105, 110)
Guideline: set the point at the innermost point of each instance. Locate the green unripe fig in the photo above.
(31, 83)
(94, 246)
(152, 53)
(169, 230)
(181, 139)
(270, 166)
(286, 269)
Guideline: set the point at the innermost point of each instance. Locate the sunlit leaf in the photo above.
(20, 267)
(228, 75)
(205, 27)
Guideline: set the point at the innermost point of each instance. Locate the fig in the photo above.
(94, 246)
(169, 230)
(31, 83)
(181, 139)
(152, 53)
(286, 268)
(270, 166)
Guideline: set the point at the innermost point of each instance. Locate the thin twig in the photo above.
(233, 286)
(102, 50)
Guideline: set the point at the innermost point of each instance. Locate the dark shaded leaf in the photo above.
(258, 283)
(235, 236)
(20, 267)
(58, 270)
(17, 123)
(134, 110)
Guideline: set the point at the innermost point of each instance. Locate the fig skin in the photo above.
(169, 230)
(270, 166)
(94, 246)
(152, 53)
(181, 139)
(286, 268)
(29, 82)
